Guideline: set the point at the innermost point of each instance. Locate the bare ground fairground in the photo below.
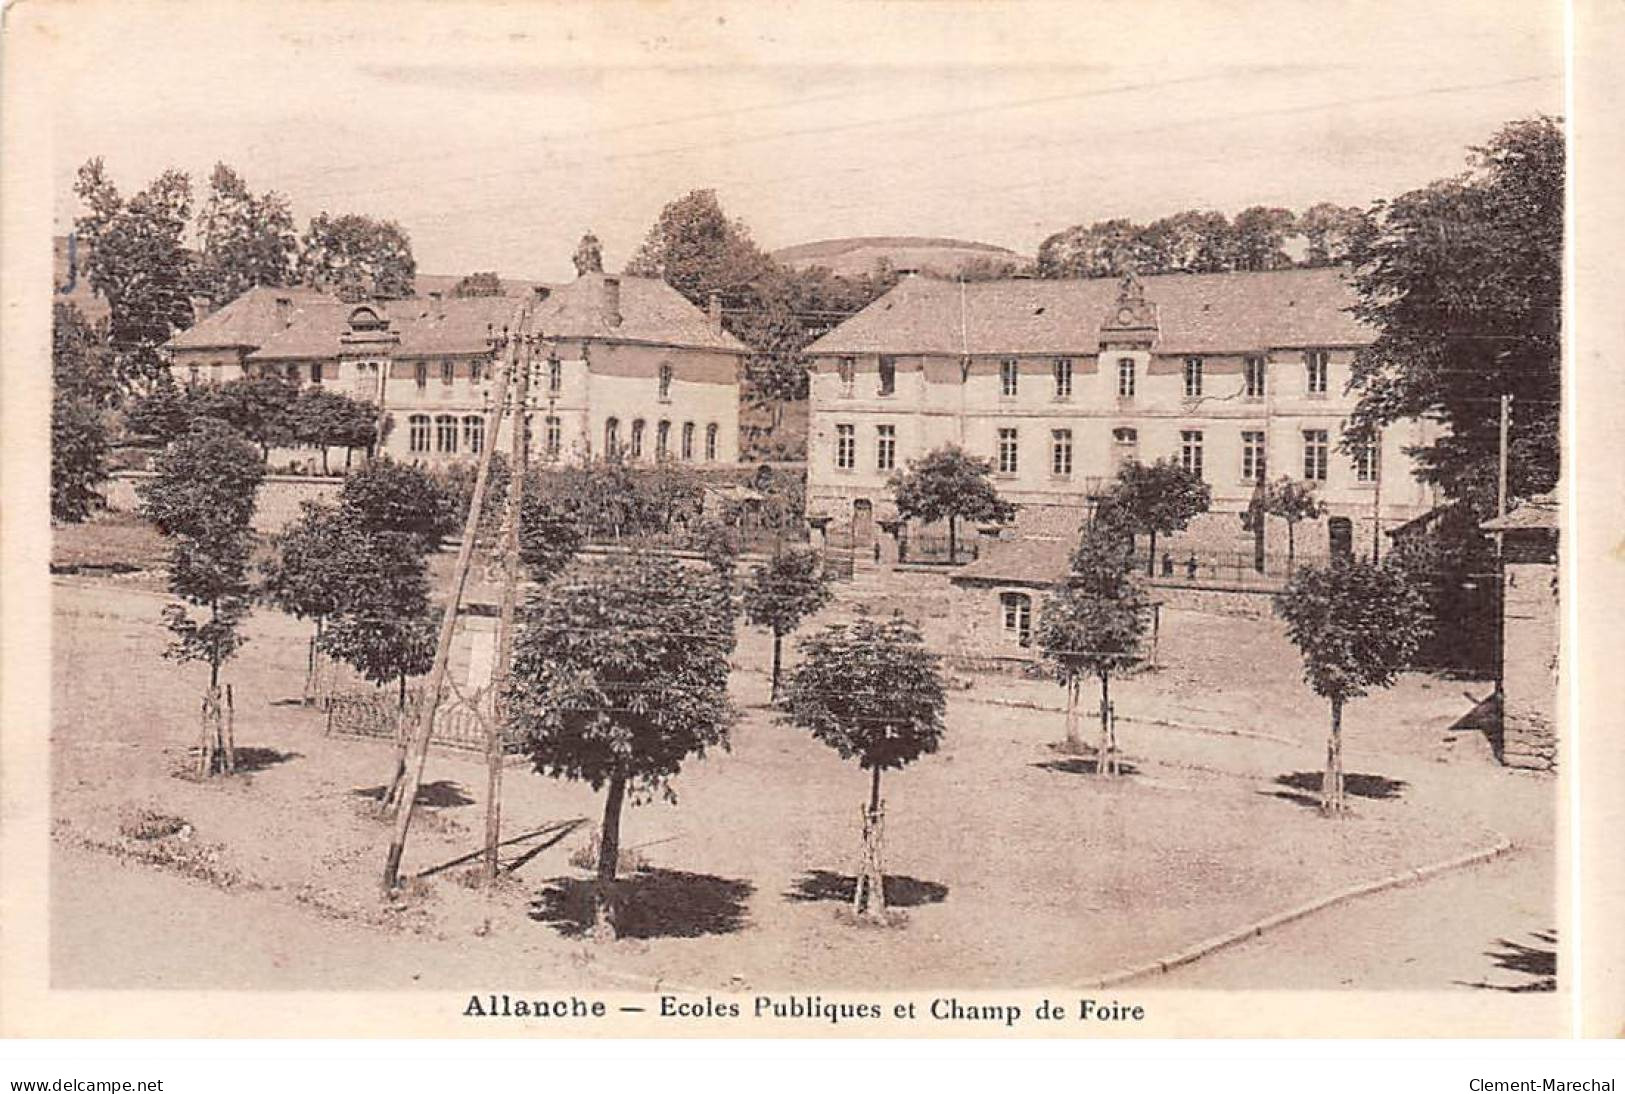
(1014, 866)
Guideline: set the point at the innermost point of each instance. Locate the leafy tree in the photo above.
(78, 457)
(328, 419)
(620, 674)
(385, 627)
(315, 564)
(1094, 623)
(1357, 625)
(356, 257)
(1159, 497)
(1462, 280)
(203, 499)
(1105, 248)
(1292, 501)
(870, 690)
(139, 263)
(258, 407)
(1260, 238)
(386, 496)
(589, 256)
(1195, 241)
(483, 283)
(698, 250)
(163, 413)
(949, 484)
(81, 366)
(248, 239)
(790, 586)
(1329, 231)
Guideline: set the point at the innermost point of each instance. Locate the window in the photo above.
(420, 374)
(1254, 373)
(1125, 377)
(1252, 456)
(1009, 455)
(612, 438)
(445, 433)
(1060, 462)
(1009, 377)
(1193, 377)
(1314, 455)
(192, 373)
(292, 372)
(1190, 451)
(555, 375)
(418, 433)
(711, 443)
(1126, 442)
(1063, 377)
(888, 376)
(315, 372)
(1315, 369)
(662, 440)
(885, 447)
(554, 437)
(448, 371)
(473, 433)
(476, 371)
(688, 440)
(847, 369)
(665, 383)
(1017, 612)
(1367, 462)
(846, 448)
(637, 439)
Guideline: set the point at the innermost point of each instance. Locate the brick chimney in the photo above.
(714, 311)
(284, 310)
(612, 301)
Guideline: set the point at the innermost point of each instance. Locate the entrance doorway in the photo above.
(863, 525)
(1340, 531)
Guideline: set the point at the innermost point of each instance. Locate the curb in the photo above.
(1256, 929)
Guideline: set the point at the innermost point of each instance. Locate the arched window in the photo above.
(637, 439)
(418, 433)
(665, 383)
(662, 440)
(445, 433)
(711, 443)
(612, 438)
(1016, 612)
(473, 433)
(688, 440)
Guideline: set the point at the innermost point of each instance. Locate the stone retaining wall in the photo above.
(276, 506)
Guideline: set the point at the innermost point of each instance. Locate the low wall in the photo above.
(277, 504)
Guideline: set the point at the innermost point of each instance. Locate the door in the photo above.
(1340, 531)
(863, 525)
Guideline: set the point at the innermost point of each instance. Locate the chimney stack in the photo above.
(284, 310)
(612, 301)
(714, 311)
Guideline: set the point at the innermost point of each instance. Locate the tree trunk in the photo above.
(325, 471)
(1332, 799)
(349, 451)
(1291, 546)
(869, 894)
(1258, 543)
(609, 854)
(1106, 758)
(229, 727)
(400, 703)
(953, 554)
(777, 642)
(1151, 561)
(1074, 739)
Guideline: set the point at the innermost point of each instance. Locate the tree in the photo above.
(620, 674)
(315, 566)
(328, 419)
(1106, 248)
(1462, 281)
(356, 257)
(1357, 625)
(1094, 624)
(1159, 497)
(483, 283)
(782, 592)
(139, 263)
(386, 496)
(78, 457)
(698, 250)
(589, 256)
(258, 407)
(1260, 238)
(385, 627)
(1292, 501)
(949, 484)
(1195, 241)
(81, 366)
(203, 499)
(870, 690)
(1329, 231)
(248, 239)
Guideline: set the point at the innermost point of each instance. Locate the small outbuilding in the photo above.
(1530, 631)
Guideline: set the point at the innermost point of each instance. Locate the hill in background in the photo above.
(859, 255)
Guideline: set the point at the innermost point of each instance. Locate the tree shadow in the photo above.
(1304, 787)
(1538, 961)
(1485, 718)
(250, 760)
(440, 794)
(1080, 765)
(653, 903)
(902, 891)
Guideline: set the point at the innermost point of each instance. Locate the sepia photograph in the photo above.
(805, 519)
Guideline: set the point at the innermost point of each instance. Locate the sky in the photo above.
(497, 133)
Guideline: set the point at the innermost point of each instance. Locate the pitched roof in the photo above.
(651, 311)
(249, 320)
(1020, 561)
(1197, 313)
(1536, 513)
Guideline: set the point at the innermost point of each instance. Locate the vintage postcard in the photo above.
(803, 519)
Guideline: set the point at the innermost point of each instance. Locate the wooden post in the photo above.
(518, 462)
(423, 727)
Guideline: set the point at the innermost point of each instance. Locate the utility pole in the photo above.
(423, 728)
(1500, 575)
(1501, 471)
(1376, 499)
(518, 463)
